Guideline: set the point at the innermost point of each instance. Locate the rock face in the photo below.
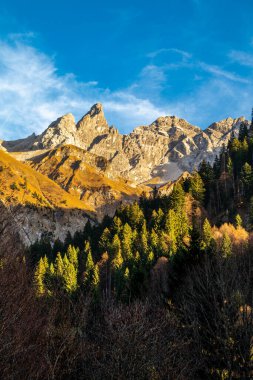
(158, 152)
(11, 241)
(33, 206)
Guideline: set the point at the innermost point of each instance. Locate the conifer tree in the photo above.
(117, 260)
(206, 172)
(143, 247)
(217, 167)
(177, 198)
(117, 225)
(105, 239)
(150, 257)
(95, 280)
(89, 265)
(247, 179)
(238, 221)
(244, 149)
(230, 166)
(72, 254)
(117, 265)
(154, 240)
(195, 248)
(182, 225)
(243, 132)
(50, 279)
(59, 266)
(171, 228)
(206, 234)
(69, 276)
(51, 270)
(135, 215)
(226, 246)
(39, 276)
(127, 242)
(157, 219)
(197, 188)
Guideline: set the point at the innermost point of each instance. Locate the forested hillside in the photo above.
(161, 290)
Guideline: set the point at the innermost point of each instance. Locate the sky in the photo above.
(140, 59)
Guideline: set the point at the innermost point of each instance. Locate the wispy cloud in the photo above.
(155, 53)
(32, 94)
(241, 57)
(216, 70)
(215, 99)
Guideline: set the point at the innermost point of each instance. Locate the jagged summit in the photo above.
(162, 150)
(95, 109)
(225, 125)
(95, 118)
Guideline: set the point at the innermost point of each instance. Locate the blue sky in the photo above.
(141, 59)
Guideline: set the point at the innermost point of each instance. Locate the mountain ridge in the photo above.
(163, 149)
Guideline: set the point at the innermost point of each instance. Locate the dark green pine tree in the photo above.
(243, 132)
(177, 198)
(104, 240)
(217, 167)
(89, 266)
(247, 179)
(197, 188)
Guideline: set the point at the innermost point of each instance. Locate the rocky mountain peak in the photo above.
(174, 123)
(224, 126)
(95, 118)
(96, 109)
(60, 131)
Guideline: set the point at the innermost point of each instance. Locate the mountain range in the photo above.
(54, 182)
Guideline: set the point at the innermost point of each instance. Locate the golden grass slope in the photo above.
(73, 170)
(20, 184)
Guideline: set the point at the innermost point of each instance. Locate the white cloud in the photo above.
(33, 94)
(241, 57)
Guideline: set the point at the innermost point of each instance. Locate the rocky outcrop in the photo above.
(86, 177)
(11, 240)
(22, 225)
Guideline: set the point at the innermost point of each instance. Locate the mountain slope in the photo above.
(20, 184)
(36, 205)
(87, 177)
